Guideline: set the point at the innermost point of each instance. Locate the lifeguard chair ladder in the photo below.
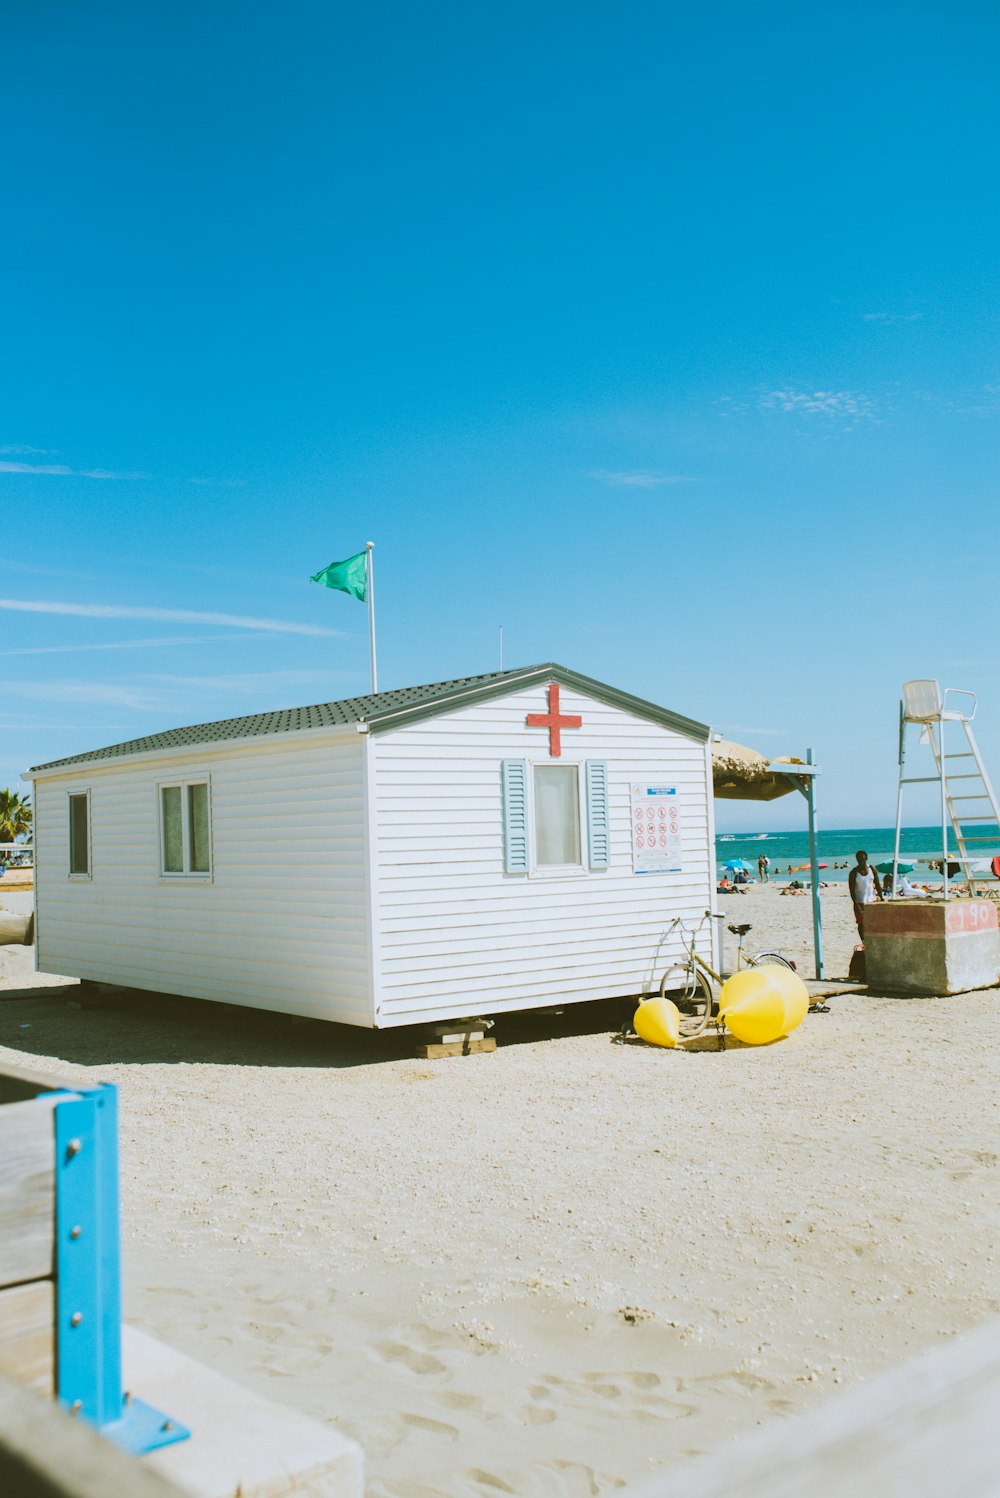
(925, 705)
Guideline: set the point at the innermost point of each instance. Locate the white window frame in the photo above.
(559, 870)
(88, 873)
(202, 876)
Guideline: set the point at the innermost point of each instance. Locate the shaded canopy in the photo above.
(741, 774)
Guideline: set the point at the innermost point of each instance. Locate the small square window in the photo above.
(185, 829)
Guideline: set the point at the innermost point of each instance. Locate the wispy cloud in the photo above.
(641, 478)
(892, 317)
(242, 681)
(50, 571)
(157, 642)
(60, 470)
(836, 405)
(18, 450)
(169, 616)
(80, 691)
(170, 694)
(981, 402)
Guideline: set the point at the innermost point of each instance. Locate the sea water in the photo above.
(917, 845)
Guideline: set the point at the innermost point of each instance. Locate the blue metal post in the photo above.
(88, 1276)
(80, 1325)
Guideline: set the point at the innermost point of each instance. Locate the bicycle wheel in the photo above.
(761, 959)
(689, 987)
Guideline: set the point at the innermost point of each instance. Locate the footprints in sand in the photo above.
(433, 1427)
(452, 1400)
(634, 1392)
(490, 1480)
(538, 1414)
(434, 1362)
(461, 1400)
(419, 1362)
(733, 1381)
(434, 1356)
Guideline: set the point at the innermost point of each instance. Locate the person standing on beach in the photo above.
(863, 884)
(761, 861)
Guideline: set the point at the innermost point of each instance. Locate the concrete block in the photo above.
(933, 947)
(240, 1442)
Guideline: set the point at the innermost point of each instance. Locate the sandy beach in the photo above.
(556, 1268)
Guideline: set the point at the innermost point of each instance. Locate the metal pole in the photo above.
(370, 590)
(899, 800)
(944, 808)
(501, 647)
(814, 867)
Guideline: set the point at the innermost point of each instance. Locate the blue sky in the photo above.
(663, 335)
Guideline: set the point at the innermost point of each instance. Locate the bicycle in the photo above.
(692, 980)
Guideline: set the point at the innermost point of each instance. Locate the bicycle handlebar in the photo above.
(709, 915)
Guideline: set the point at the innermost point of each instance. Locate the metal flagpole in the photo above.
(370, 590)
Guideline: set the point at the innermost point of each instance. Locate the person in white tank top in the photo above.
(863, 884)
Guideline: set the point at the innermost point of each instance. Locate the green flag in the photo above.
(348, 577)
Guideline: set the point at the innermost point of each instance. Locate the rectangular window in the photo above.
(557, 816)
(198, 827)
(185, 828)
(79, 833)
(173, 830)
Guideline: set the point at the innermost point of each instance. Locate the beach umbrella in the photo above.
(901, 868)
(741, 774)
(737, 863)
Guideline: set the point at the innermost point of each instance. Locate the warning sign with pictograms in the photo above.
(656, 830)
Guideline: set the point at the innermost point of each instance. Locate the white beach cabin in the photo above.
(503, 842)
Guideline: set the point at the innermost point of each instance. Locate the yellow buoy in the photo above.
(793, 992)
(753, 1006)
(658, 1021)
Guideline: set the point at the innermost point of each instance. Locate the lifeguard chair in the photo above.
(967, 796)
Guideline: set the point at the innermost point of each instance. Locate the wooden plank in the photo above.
(455, 1029)
(928, 1428)
(45, 1453)
(456, 1048)
(28, 1334)
(18, 1083)
(27, 1191)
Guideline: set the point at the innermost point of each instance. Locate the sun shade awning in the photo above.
(742, 774)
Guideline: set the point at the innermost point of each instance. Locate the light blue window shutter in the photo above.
(514, 774)
(598, 831)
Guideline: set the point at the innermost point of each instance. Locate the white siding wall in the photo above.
(283, 924)
(458, 936)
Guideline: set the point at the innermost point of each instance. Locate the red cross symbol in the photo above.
(554, 721)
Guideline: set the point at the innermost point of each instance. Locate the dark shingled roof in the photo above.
(380, 710)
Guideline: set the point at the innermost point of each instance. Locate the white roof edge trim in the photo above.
(193, 751)
(457, 699)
